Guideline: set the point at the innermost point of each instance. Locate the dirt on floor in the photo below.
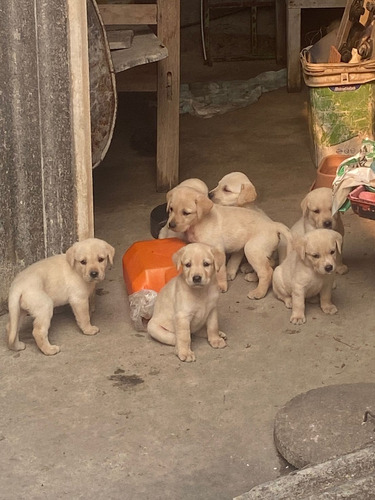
(118, 415)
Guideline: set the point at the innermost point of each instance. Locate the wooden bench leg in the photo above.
(280, 20)
(293, 20)
(168, 90)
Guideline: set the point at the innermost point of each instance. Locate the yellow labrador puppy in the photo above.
(231, 230)
(308, 271)
(68, 278)
(234, 190)
(193, 183)
(188, 302)
(316, 209)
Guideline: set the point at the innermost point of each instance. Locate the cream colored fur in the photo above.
(188, 302)
(316, 209)
(68, 278)
(307, 271)
(231, 229)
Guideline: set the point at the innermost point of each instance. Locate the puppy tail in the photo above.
(283, 230)
(14, 320)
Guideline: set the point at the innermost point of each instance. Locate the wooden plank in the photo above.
(315, 4)
(146, 48)
(128, 13)
(120, 39)
(167, 159)
(80, 110)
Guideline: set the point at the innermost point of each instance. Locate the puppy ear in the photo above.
(304, 205)
(168, 197)
(219, 258)
(338, 238)
(204, 205)
(247, 195)
(70, 255)
(177, 257)
(299, 245)
(110, 252)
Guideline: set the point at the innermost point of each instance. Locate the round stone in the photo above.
(325, 423)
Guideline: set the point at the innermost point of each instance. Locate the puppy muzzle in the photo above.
(327, 224)
(328, 268)
(94, 276)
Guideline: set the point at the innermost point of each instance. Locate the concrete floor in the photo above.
(118, 415)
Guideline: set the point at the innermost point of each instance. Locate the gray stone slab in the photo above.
(325, 423)
(351, 476)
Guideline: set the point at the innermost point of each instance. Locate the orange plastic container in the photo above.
(148, 265)
(326, 172)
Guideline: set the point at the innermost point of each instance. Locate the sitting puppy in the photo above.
(188, 302)
(193, 183)
(317, 214)
(307, 271)
(68, 278)
(230, 229)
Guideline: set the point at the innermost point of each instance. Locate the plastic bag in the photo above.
(141, 308)
(352, 172)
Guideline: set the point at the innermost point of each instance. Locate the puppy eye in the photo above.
(315, 256)
(83, 262)
(226, 190)
(184, 212)
(333, 252)
(170, 209)
(100, 259)
(188, 264)
(206, 264)
(317, 211)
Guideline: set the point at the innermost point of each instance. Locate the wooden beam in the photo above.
(167, 158)
(128, 13)
(80, 110)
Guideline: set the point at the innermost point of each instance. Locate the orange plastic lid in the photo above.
(148, 265)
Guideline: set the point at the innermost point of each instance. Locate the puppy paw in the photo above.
(231, 276)
(218, 343)
(223, 286)
(223, 335)
(187, 356)
(91, 330)
(256, 294)
(251, 277)
(343, 269)
(297, 320)
(50, 350)
(329, 309)
(246, 268)
(18, 346)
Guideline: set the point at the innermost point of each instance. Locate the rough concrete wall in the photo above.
(36, 168)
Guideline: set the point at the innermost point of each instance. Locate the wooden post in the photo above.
(80, 109)
(167, 158)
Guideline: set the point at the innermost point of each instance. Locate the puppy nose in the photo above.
(327, 224)
(328, 268)
(172, 224)
(210, 195)
(94, 274)
(197, 279)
